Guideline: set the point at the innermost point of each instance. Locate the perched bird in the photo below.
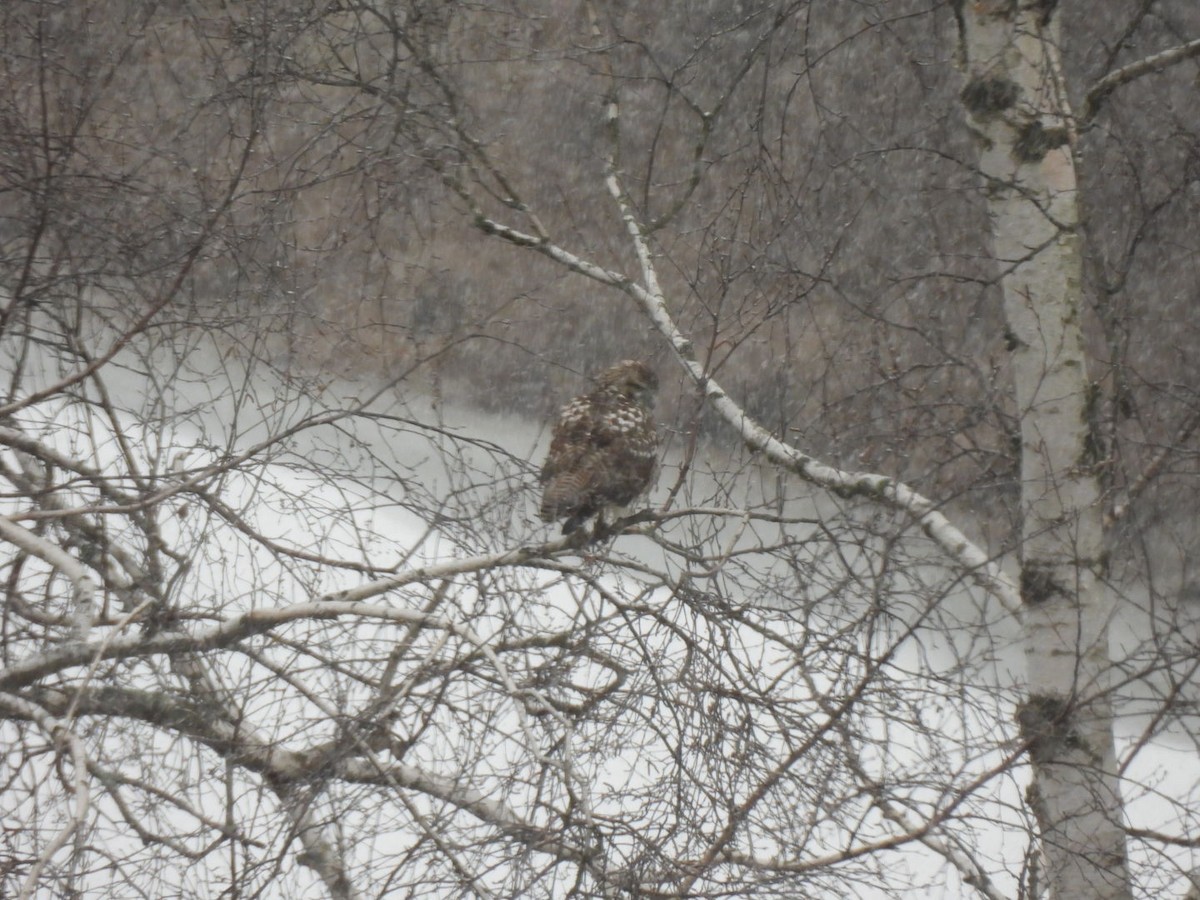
(604, 448)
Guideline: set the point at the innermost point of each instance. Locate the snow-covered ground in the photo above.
(327, 485)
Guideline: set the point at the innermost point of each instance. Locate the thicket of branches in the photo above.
(287, 289)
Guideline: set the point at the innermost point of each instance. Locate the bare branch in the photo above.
(83, 587)
(1152, 469)
(980, 566)
(60, 733)
(1156, 63)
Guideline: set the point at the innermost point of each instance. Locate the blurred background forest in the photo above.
(823, 234)
(829, 257)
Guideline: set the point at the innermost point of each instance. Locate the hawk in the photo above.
(604, 447)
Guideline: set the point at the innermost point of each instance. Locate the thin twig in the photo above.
(60, 734)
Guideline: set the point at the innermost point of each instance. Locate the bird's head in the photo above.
(631, 379)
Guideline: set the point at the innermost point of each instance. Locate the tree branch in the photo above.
(59, 733)
(290, 766)
(985, 571)
(1113, 80)
(894, 494)
(1152, 469)
(83, 587)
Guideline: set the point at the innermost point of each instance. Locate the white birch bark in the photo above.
(1016, 105)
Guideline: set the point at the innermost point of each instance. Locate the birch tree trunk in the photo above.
(1016, 105)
